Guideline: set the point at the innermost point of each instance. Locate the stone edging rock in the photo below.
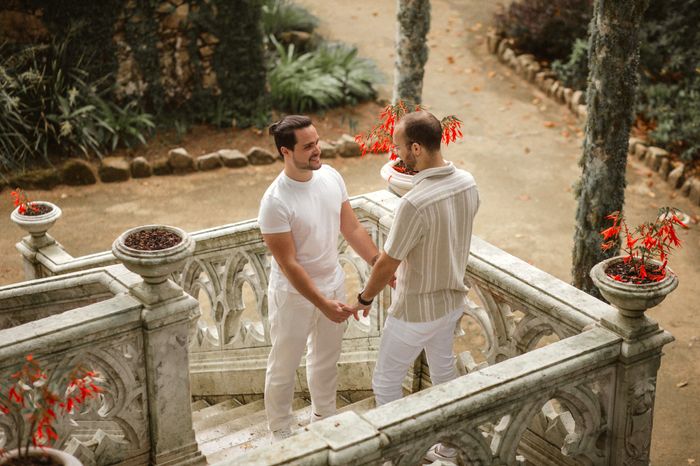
(656, 158)
(78, 172)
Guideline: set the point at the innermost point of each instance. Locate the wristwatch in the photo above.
(362, 301)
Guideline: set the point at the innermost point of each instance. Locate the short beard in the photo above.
(307, 166)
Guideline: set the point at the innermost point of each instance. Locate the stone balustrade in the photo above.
(94, 320)
(558, 378)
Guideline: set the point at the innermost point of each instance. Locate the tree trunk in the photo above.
(614, 61)
(411, 49)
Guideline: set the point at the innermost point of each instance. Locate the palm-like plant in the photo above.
(328, 76)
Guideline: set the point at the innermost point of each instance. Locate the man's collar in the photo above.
(448, 169)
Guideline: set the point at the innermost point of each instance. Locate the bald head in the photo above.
(421, 127)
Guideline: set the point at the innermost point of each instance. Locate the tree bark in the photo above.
(413, 20)
(614, 62)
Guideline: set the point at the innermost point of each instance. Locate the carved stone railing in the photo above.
(228, 275)
(555, 375)
(91, 319)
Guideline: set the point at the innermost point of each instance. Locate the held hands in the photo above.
(360, 307)
(336, 311)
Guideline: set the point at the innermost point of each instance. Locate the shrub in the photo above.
(328, 76)
(50, 106)
(546, 28)
(675, 111)
(282, 15)
(574, 72)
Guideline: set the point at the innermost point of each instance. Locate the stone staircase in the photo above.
(230, 428)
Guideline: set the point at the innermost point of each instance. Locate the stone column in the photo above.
(635, 388)
(166, 317)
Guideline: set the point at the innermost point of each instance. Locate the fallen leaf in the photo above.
(450, 60)
(536, 101)
(692, 460)
(566, 134)
(491, 74)
(476, 89)
(543, 108)
(523, 197)
(681, 384)
(375, 13)
(527, 150)
(549, 124)
(337, 424)
(519, 235)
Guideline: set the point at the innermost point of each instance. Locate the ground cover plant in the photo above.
(668, 102)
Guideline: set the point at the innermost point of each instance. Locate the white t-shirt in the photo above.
(311, 211)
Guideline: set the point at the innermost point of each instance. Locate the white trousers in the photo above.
(296, 324)
(401, 344)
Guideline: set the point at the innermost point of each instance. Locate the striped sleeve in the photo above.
(406, 231)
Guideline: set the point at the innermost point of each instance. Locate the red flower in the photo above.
(610, 232)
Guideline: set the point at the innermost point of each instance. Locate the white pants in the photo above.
(295, 324)
(401, 344)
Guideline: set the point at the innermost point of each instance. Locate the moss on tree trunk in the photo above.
(413, 19)
(612, 82)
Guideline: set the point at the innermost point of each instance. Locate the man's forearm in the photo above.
(382, 272)
(362, 244)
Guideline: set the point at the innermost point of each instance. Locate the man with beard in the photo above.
(429, 245)
(301, 214)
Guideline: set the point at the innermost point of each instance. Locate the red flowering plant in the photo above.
(648, 241)
(379, 139)
(35, 401)
(27, 207)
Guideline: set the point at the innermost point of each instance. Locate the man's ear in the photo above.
(285, 151)
(416, 148)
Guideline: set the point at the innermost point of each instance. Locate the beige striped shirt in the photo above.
(431, 235)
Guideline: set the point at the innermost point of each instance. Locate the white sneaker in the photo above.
(440, 454)
(282, 434)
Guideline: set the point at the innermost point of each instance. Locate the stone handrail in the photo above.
(139, 349)
(609, 361)
(485, 414)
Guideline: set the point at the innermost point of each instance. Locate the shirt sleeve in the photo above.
(273, 216)
(406, 231)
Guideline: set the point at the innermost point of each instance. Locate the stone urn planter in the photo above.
(153, 251)
(632, 299)
(37, 224)
(397, 182)
(37, 456)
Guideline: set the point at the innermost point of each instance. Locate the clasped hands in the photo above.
(339, 312)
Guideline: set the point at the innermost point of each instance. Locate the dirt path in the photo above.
(525, 168)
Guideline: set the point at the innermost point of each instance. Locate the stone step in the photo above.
(211, 435)
(259, 436)
(226, 412)
(199, 405)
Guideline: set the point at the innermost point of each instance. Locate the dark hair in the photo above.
(422, 127)
(283, 131)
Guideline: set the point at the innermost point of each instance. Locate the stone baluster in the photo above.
(166, 319)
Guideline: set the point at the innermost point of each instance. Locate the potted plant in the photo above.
(153, 251)
(380, 140)
(33, 402)
(639, 279)
(35, 217)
